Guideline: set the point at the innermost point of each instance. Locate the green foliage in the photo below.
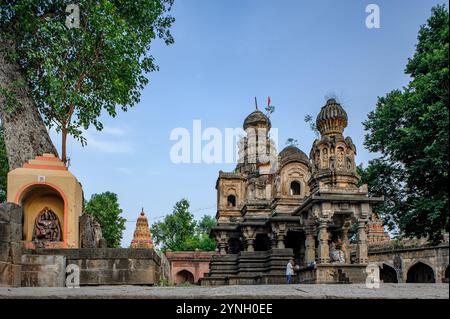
(77, 73)
(312, 125)
(409, 127)
(180, 232)
(105, 209)
(291, 142)
(4, 168)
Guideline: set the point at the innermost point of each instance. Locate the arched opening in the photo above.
(184, 277)
(388, 274)
(231, 201)
(262, 242)
(420, 273)
(43, 218)
(295, 188)
(234, 245)
(446, 276)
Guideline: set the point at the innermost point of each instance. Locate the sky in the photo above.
(226, 53)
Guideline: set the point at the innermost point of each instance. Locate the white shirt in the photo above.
(289, 269)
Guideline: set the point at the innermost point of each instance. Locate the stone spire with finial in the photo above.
(142, 237)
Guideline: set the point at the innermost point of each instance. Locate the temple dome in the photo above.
(257, 119)
(332, 118)
(293, 153)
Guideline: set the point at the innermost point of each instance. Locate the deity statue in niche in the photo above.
(325, 158)
(317, 159)
(340, 157)
(47, 226)
(337, 254)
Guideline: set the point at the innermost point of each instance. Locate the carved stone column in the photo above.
(361, 243)
(280, 232)
(324, 250)
(222, 242)
(249, 235)
(310, 246)
(346, 242)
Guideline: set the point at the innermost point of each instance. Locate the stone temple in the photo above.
(274, 207)
(141, 236)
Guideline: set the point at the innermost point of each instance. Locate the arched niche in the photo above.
(35, 200)
(184, 276)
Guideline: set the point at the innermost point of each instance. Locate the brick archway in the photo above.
(184, 276)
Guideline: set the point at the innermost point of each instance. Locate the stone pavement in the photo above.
(352, 291)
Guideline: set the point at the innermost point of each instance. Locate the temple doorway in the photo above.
(262, 242)
(184, 277)
(388, 274)
(420, 273)
(295, 240)
(235, 246)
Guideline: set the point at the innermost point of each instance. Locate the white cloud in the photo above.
(115, 131)
(108, 146)
(123, 170)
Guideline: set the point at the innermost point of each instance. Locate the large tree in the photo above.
(179, 231)
(105, 209)
(3, 167)
(25, 134)
(409, 128)
(76, 71)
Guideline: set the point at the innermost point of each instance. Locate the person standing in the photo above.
(289, 271)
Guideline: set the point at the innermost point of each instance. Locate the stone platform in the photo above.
(351, 291)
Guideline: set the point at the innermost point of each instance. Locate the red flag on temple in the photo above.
(268, 101)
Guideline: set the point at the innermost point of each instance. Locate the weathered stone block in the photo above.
(16, 252)
(5, 232)
(10, 212)
(43, 271)
(4, 251)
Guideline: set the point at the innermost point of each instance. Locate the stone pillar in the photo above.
(310, 247)
(280, 233)
(361, 243)
(346, 242)
(249, 235)
(302, 254)
(222, 242)
(324, 251)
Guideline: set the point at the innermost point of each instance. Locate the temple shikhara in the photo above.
(142, 237)
(275, 207)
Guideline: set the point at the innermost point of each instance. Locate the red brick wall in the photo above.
(195, 262)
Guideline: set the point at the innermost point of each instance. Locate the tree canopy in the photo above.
(179, 231)
(409, 128)
(105, 209)
(77, 73)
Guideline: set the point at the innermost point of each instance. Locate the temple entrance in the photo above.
(262, 242)
(235, 246)
(183, 277)
(295, 239)
(420, 273)
(388, 274)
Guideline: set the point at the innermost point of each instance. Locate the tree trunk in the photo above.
(25, 133)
